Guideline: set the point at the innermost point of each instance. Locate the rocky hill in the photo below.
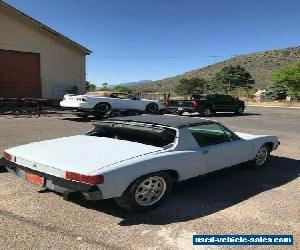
(261, 65)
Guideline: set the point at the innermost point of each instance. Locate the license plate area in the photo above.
(35, 179)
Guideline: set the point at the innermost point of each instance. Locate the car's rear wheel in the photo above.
(261, 157)
(240, 110)
(101, 109)
(152, 108)
(146, 192)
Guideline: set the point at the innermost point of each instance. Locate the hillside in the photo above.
(261, 65)
(128, 84)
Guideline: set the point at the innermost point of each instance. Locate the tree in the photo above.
(231, 77)
(89, 86)
(288, 78)
(104, 87)
(121, 89)
(187, 87)
(277, 91)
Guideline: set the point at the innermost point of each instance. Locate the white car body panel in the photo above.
(69, 154)
(70, 101)
(121, 162)
(187, 163)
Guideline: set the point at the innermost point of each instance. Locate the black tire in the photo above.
(152, 108)
(239, 110)
(101, 109)
(255, 162)
(129, 201)
(207, 111)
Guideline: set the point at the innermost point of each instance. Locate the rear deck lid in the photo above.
(81, 154)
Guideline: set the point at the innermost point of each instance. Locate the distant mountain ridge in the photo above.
(127, 84)
(261, 66)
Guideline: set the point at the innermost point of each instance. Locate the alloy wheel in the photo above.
(261, 157)
(150, 191)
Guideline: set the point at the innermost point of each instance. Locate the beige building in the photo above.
(36, 61)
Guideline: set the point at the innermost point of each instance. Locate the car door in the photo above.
(230, 103)
(218, 102)
(133, 102)
(120, 101)
(221, 148)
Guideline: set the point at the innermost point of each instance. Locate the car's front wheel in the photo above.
(146, 192)
(261, 157)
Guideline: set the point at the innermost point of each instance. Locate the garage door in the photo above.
(19, 74)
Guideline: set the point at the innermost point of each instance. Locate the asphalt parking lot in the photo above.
(235, 201)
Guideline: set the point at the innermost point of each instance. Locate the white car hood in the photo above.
(81, 154)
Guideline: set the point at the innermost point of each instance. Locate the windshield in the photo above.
(141, 133)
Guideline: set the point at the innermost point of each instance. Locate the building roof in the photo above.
(44, 27)
(165, 120)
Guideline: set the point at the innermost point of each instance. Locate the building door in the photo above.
(19, 74)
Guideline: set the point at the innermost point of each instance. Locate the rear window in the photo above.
(150, 135)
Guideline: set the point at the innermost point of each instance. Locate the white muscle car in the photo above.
(136, 159)
(118, 101)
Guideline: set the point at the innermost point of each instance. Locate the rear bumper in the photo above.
(56, 184)
(80, 110)
(75, 104)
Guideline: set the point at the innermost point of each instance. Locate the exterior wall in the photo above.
(62, 66)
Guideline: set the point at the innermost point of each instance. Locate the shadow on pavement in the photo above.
(223, 115)
(233, 115)
(203, 196)
(79, 119)
(3, 169)
(42, 113)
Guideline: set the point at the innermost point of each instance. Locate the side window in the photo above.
(209, 134)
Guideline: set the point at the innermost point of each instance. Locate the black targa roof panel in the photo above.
(166, 120)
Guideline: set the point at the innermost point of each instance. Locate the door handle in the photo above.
(205, 151)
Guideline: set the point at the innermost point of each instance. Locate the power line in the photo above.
(158, 57)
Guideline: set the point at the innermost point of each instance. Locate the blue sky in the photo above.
(152, 39)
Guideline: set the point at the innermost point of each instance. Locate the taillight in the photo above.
(89, 179)
(80, 99)
(195, 104)
(9, 157)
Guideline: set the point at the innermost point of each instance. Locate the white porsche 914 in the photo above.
(135, 159)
